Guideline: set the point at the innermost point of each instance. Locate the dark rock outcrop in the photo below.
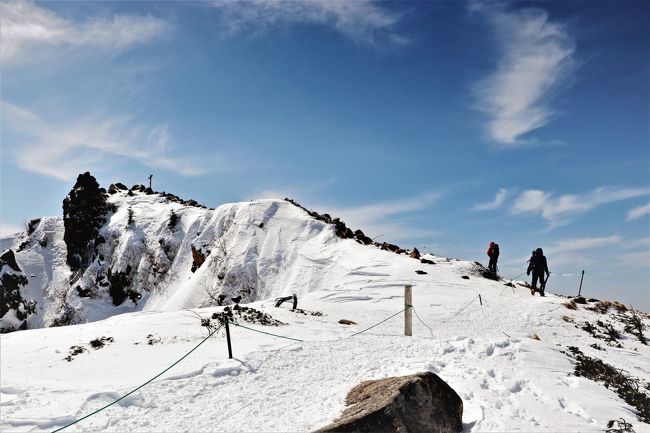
(417, 403)
(427, 262)
(415, 253)
(12, 280)
(9, 258)
(198, 258)
(84, 212)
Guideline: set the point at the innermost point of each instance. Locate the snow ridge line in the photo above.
(146, 383)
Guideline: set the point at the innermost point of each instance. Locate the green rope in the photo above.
(422, 321)
(470, 303)
(267, 333)
(377, 324)
(146, 383)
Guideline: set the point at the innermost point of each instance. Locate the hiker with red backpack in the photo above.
(538, 266)
(493, 254)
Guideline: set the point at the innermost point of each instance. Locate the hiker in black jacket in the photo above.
(538, 266)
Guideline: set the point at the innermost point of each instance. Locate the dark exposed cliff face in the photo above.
(84, 212)
(12, 303)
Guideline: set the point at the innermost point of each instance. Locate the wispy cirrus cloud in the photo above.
(535, 59)
(362, 21)
(29, 31)
(566, 253)
(577, 244)
(638, 212)
(498, 201)
(62, 152)
(558, 210)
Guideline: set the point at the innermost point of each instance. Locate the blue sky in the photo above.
(441, 125)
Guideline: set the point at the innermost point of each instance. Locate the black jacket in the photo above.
(537, 264)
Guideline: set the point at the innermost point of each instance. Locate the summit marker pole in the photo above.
(582, 275)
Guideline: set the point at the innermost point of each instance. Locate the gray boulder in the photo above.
(419, 403)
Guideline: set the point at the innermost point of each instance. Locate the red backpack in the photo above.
(489, 251)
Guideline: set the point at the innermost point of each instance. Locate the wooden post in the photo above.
(150, 176)
(581, 277)
(226, 319)
(408, 312)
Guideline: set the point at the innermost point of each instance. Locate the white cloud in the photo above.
(638, 212)
(63, 152)
(570, 252)
(383, 218)
(639, 259)
(494, 204)
(577, 244)
(641, 242)
(536, 56)
(557, 210)
(362, 21)
(29, 31)
(9, 229)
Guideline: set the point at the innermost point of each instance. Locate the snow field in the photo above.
(507, 383)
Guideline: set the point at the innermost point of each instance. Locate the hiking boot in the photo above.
(541, 293)
(532, 292)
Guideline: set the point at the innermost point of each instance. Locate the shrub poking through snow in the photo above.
(307, 312)
(630, 389)
(634, 325)
(571, 305)
(100, 342)
(129, 220)
(603, 307)
(251, 315)
(621, 426)
(74, 351)
(152, 339)
(173, 220)
(603, 331)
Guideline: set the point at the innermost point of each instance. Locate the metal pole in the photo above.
(581, 277)
(479, 299)
(226, 319)
(408, 312)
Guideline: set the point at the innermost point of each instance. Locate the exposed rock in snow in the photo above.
(418, 403)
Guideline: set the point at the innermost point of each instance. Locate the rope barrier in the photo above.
(421, 321)
(377, 324)
(459, 311)
(267, 333)
(146, 383)
(406, 306)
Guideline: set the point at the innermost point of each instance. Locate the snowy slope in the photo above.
(256, 250)
(508, 381)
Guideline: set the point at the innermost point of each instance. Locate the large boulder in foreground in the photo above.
(418, 403)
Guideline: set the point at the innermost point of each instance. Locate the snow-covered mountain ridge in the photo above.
(154, 253)
(510, 356)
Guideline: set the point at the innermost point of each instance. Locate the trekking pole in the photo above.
(582, 275)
